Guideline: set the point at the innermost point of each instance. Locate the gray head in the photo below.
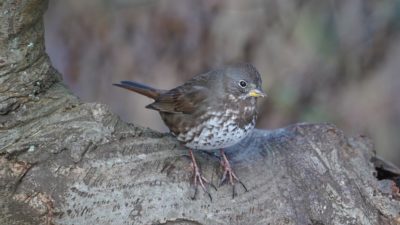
(243, 81)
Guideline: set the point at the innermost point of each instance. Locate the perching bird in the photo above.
(211, 111)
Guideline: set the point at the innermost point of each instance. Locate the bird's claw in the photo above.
(199, 179)
(230, 175)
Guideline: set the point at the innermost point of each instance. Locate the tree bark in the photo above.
(68, 162)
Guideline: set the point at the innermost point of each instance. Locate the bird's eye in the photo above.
(242, 83)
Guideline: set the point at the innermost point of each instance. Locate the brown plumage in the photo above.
(211, 111)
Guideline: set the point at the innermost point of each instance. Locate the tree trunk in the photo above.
(68, 162)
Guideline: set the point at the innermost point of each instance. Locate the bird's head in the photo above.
(243, 81)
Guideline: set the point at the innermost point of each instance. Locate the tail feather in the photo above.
(140, 88)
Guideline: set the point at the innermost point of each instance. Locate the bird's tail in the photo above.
(140, 88)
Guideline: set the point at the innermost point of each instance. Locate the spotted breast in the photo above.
(217, 129)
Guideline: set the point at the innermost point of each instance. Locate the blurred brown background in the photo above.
(334, 61)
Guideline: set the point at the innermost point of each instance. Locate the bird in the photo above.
(209, 112)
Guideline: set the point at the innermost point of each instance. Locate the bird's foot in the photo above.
(199, 179)
(229, 175)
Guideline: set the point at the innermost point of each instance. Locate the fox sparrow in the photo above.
(211, 111)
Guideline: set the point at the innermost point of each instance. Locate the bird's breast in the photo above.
(214, 126)
(216, 130)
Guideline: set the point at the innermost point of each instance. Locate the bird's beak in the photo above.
(257, 93)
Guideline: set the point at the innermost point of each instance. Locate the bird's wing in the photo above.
(183, 99)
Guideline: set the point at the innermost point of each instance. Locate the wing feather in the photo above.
(183, 99)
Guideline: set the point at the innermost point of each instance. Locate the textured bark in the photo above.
(67, 162)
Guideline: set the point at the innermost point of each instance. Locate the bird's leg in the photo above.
(229, 174)
(198, 178)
